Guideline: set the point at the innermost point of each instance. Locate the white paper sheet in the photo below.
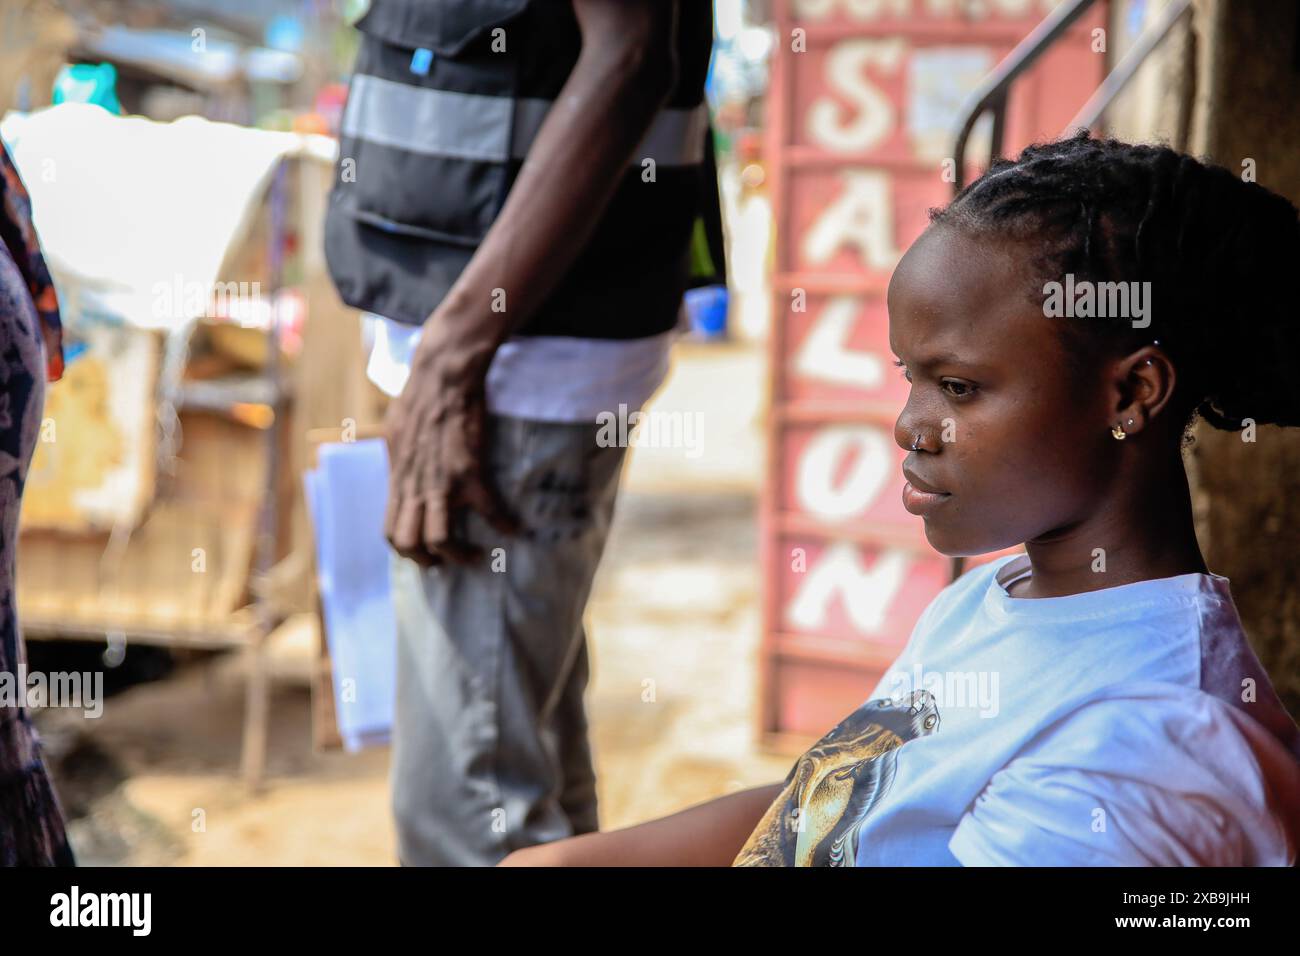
(345, 496)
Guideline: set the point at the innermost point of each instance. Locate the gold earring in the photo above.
(1118, 432)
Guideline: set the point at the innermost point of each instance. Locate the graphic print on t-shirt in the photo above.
(834, 786)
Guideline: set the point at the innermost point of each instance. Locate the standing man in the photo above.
(520, 183)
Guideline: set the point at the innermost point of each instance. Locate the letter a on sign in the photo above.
(862, 216)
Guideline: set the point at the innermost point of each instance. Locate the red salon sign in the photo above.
(862, 115)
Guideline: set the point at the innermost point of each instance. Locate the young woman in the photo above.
(1093, 701)
(31, 824)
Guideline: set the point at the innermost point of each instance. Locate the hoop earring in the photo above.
(1118, 432)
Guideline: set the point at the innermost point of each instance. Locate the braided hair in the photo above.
(1221, 255)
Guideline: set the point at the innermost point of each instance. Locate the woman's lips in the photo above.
(920, 502)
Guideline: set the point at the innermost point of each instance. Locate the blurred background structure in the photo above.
(753, 588)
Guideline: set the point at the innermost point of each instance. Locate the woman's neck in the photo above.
(1144, 531)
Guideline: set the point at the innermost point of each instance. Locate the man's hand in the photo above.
(435, 430)
(437, 450)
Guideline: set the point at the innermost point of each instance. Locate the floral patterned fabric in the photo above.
(31, 351)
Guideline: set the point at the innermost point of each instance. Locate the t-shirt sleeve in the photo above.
(1160, 779)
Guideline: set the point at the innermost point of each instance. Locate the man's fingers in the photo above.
(440, 537)
(407, 521)
(419, 528)
(426, 497)
(484, 499)
(421, 557)
(436, 526)
(404, 534)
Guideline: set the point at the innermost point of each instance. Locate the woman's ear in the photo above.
(1146, 380)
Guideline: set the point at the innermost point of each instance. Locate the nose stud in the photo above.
(916, 442)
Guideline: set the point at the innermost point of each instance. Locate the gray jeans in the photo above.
(490, 749)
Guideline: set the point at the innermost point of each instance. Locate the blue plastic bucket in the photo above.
(707, 309)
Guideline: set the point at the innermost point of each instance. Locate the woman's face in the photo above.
(1013, 445)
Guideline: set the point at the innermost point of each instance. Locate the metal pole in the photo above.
(257, 702)
(992, 93)
(1119, 77)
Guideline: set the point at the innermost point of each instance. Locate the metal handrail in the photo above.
(991, 94)
(1119, 77)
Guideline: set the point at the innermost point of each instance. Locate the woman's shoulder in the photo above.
(1188, 773)
(1155, 723)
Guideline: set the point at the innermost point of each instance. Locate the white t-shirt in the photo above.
(549, 378)
(1130, 726)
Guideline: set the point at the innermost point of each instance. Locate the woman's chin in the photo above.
(953, 544)
(943, 541)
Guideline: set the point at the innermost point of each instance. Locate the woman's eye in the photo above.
(954, 387)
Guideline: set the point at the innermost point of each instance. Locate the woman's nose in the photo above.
(907, 430)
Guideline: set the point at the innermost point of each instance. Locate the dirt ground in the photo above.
(155, 779)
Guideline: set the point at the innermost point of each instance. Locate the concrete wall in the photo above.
(1248, 107)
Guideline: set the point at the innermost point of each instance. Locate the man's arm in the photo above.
(708, 834)
(625, 71)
